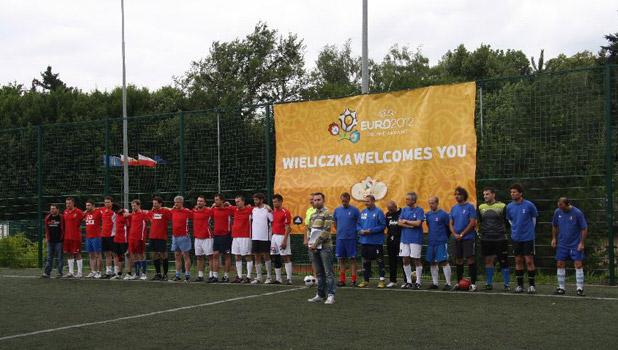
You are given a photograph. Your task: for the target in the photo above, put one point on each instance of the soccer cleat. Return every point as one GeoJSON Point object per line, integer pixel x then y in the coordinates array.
{"type": "Point", "coordinates": [472, 288]}
{"type": "Point", "coordinates": [340, 284]}
{"type": "Point", "coordinates": [381, 284]}
{"type": "Point", "coordinates": [58, 275]}
{"type": "Point", "coordinates": [560, 291]}
{"type": "Point", "coordinates": [363, 284]}
{"type": "Point", "coordinates": [506, 289]}
{"type": "Point", "coordinates": [416, 286]}
{"type": "Point", "coordinates": [447, 287]}
{"type": "Point", "coordinates": [489, 287]}
{"type": "Point", "coordinates": [580, 292]}
{"type": "Point", "coordinates": [91, 274]}
{"type": "Point", "coordinates": [187, 278]}
{"type": "Point", "coordinates": [256, 281]}
{"type": "Point", "coordinates": [406, 286]}
{"type": "Point", "coordinates": [246, 280]}
{"type": "Point", "coordinates": [330, 300]}
{"type": "Point", "coordinates": [289, 282]}
{"type": "Point", "coordinates": [455, 287]}
{"type": "Point", "coordinates": [519, 289]}
{"type": "Point", "coordinates": [44, 275]}
{"type": "Point", "coordinates": [127, 277]}
{"type": "Point", "coordinates": [97, 275]}
{"type": "Point", "coordinates": [353, 284]}
{"type": "Point", "coordinates": [315, 299]}
{"type": "Point", "coordinates": [143, 277]}
{"type": "Point", "coordinates": [225, 279]}
{"type": "Point", "coordinates": [78, 275]}
{"type": "Point", "coordinates": [115, 277]}
{"type": "Point", "coordinates": [68, 275]}
{"type": "Point", "coordinates": [433, 286]}
{"type": "Point", "coordinates": [156, 277]}
{"type": "Point", "coordinates": [531, 290]}
{"type": "Point", "coordinates": [391, 284]}
{"type": "Point", "coordinates": [277, 282]}
{"type": "Point", "coordinates": [107, 276]}
{"type": "Point", "coordinates": [164, 278]}
{"type": "Point", "coordinates": [237, 280]}
{"type": "Point", "coordinates": [268, 281]}
{"type": "Point", "coordinates": [199, 279]}
{"type": "Point", "coordinates": [176, 279]}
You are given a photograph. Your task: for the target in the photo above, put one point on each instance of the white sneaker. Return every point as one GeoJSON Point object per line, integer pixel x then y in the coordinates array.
{"type": "Point", "coordinates": [143, 277]}
{"type": "Point", "coordinates": [127, 277]}
{"type": "Point", "coordinates": [472, 288]}
{"type": "Point", "coordinates": [519, 289]}
{"type": "Point", "coordinates": [531, 290]}
{"type": "Point", "coordinates": [97, 275]}
{"type": "Point", "coordinates": [391, 284]}
{"type": "Point", "coordinates": [316, 299]}
{"type": "Point", "coordinates": [255, 281]}
{"type": "Point", "coordinates": [91, 274]}
{"type": "Point", "coordinates": [115, 277]}
{"type": "Point", "coordinates": [68, 275]}
{"type": "Point", "coordinates": [268, 281]}
{"type": "Point", "coordinates": [78, 275]}
{"type": "Point", "coordinates": [330, 299]}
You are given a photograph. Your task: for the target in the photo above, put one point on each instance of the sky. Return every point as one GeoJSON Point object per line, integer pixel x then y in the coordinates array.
{"type": "Point", "coordinates": [81, 39]}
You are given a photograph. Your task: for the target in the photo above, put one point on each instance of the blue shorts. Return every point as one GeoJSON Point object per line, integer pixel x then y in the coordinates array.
{"type": "Point", "coordinates": [94, 245]}
{"type": "Point", "coordinates": [437, 253]}
{"type": "Point", "coordinates": [181, 244]}
{"type": "Point", "coordinates": [566, 253]}
{"type": "Point", "coordinates": [345, 248]}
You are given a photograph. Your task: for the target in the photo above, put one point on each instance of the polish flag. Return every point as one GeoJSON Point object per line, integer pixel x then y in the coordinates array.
{"type": "Point", "coordinates": [145, 161]}
{"type": "Point", "coordinates": [132, 161]}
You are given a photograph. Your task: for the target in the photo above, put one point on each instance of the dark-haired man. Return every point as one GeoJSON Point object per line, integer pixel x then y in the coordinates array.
{"type": "Point", "coordinates": [463, 228]}
{"type": "Point", "coordinates": [108, 218]}
{"type": "Point", "coordinates": [54, 232]}
{"type": "Point", "coordinates": [492, 228]}
{"type": "Point", "coordinates": [159, 218]}
{"type": "Point", "coordinates": [346, 219]}
{"type": "Point", "coordinates": [569, 230]}
{"type": "Point", "coordinates": [72, 243]}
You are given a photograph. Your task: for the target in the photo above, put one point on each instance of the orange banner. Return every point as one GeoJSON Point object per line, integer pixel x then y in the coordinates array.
{"type": "Point", "coordinates": [388, 144]}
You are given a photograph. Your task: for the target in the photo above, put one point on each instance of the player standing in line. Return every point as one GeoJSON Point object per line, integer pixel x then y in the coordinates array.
{"type": "Point", "coordinates": [120, 233]}
{"type": "Point", "coordinates": [72, 243]}
{"type": "Point", "coordinates": [280, 246]}
{"type": "Point", "coordinates": [181, 242]}
{"type": "Point", "coordinates": [370, 228]}
{"type": "Point", "coordinates": [137, 241]}
{"type": "Point", "coordinates": [241, 238]}
{"type": "Point", "coordinates": [346, 219]}
{"type": "Point", "coordinates": [107, 241]}
{"type": "Point", "coordinates": [93, 221]}
{"type": "Point", "coordinates": [462, 225]}
{"type": "Point", "coordinates": [320, 244]}
{"type": "Point", "coordinates": [54, 233]}
{"type": "Point", "coordinates": [159, 218]}
{"type": "Point", "coordinates": [222, 244]}
{"type": "Point", "coordinates": [522, 215]}
{"type": "Point", "coordinates": [202, 237]}
{"type": "Point", "coordinates": [569, 231]}
{"type": "Point", "coordinates": [261, 219]}
{"type": "Point", "coordinates": [492, 228]}
{"type": "Point", "coordinates": [437, 248]}
{"type": "Point", "coordinates": [411, 222]}
{"type": "Point", "coordinates": [393, 239]}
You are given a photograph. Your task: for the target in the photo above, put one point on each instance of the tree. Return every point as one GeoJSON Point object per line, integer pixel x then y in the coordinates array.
{"type": "Point", "coordinates": [609, 52]}
{"type": "Point", "coordinates": [337, 73]}
{"type": "Point", "coordinates": [401, 69]}
{"type": "Point", "coordinates": [538, 67]}
{"type": "Point", "coordinates": [49, 81]}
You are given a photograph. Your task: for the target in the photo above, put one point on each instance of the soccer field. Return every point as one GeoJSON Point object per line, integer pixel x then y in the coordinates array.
{"type": "Point", "coordinates": [140, 315]}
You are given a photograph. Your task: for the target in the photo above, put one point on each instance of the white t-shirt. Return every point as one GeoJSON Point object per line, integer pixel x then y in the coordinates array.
{"type": "Point", "coordinates": [260, 224]}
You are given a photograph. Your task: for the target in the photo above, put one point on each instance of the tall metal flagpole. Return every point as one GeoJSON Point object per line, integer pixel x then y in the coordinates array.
{"type": "Point", "coordinates": [365, 63]}
{"type": "Point", "coordinates": [125, 141]}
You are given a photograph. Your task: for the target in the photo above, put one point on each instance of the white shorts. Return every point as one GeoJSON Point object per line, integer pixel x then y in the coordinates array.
{"type": "Point", "coordinates": [241, 246]}
{"type": "Point", "coordinates": [203, 246]}
{"type": "Point", "coordinates": [275, 246]}
{"type": "Point", "coordinates": [412, 250]}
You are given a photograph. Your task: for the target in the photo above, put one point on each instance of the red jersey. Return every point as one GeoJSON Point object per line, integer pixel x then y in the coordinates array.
{"type": "Point", "coordinates": [242, 225]}
{"type": "Point", "coordinates": [221, 216]}
{"type": "Point", "coordinates": [107, 219]}
{"type": "Point", "coordinates": [281, 218]}
{"type": "Point", "coordinates": [180, 221]}
{"type": "Point", "coordinates": [137, 225]}
{"type": "Point", "coordinates": [93, 222]}
{"type": "Point", "coordinates": [121, 229]}
{"type": "Point", "coordinates": [159, 221]}
{"type": "Point", "coordinates": [201, 223]}
{"type": "Point", "coordinates": [72, 222]}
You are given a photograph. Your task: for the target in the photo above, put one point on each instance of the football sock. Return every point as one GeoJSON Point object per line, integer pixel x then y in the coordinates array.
{"type": "Point", "coordinates": [258, 271]}
{"type": "Point", "coordinates": [80, 264]}
{"type": "Point", "coordinates": [278, 274]}
{"type": "Point", "coordinates": [166, 266]}
{"type": "Point", "coordinates": [408, 271]}
{"type": "Point", "coordinates": [288, 270]}
{"type": "Point", "coordinates": [249, 268]}
{"type": "Point", "coordinates": [116, 269]}
{"type": "Point", "coordinates": [108, 270]}
{"type": "Point", "coordinates": [342, 276]}
{"type": "Point", "coordinates": [226, 275]}
{"type": "Point", "coordinates": [506, 276]}
{"type": "Point", "coordinates": [520, 277]}
{"type": "Point", "coordinates": [353, 276]}
{"type": "Point", "coordinates": [579, 278]}
{"type": "Point", "coordinates": [71, 267]}
{"type": "Point", "coordinates": [447, 273]}
{"type": "Point", "coordinates": [531, 279]}
{"type": "Point", "coordinates": [460, 270]}
{"type": "Point", "coordinates": [239, 268]}
{"type": "Point", "coordinates": [561, 275]}
{"type": "Point", "coordinates": [157, 264]}
{"type": "Point", "coordinates": [419, 274]}
{"type": "Point", "coordinates": [268, 268]}
{"type": "Point", "coordinates": [178, 274]}
{"type": "Point", "coordinates": [210, 273]}
{"type": "Point", "coordinates": [434, 274]}
{"type": "Point", "coordinates": [144, 266]}
{"type": "Point", "coordinates": [215, 275]}
{"type": "Point", "coordinates": [489, 275]}
{"type": "Point", "coordinates": [472, 271]}
{"type": "Point", "coordinates": [200, 274]}
{"type": "Point", "coordinates": [367, 270]}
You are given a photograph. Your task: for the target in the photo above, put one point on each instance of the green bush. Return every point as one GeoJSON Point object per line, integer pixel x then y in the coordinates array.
{"type": "Point", "coordinates": [18, 251]}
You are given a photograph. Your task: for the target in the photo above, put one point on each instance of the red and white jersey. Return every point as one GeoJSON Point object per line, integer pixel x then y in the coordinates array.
{"type": "Point", "coordinates": [180, 221]}
{"type": "Point", "coordinates": [121, 228]}
{"type": "Point", "coordinates": [93, 221]}
{"type": "Point", "coordinates": [281, 218]}
{"type": "Point", "coordinates": [72, 223]}
{"type": "Point", "coordinates": [137, 225]}
{"type": "Point", "coordinates": [201, 223]}
{"type": "Point", "coordinates": [241, 228]}
{"type": "Point", "coordinates": [107, 218]}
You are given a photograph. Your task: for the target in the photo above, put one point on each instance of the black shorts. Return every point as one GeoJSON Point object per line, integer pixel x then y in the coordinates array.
{"type": "Point", "coordinates": [372, 251]}
{"type": "Point", "coordinates": [523, 248]}
{"type": "Point", "coordinates": [158, 245]}
{"type": "Point", "coordinates": [120, 248]}
{"type": "Point", "coordinates": [498, 248]}
{"type": "Point", "coordinates": [222, 244]}
{"type": "Point", "coordinates": [107, 244]}
{"type": "Point", "coordinates": [465, 248]}
{"type": "Point", "coordinates": [259, 247]}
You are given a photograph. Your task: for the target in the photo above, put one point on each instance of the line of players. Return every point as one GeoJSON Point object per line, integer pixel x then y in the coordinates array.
{"type": "Point", "coordinates": [405, 235]}
{"type": "Point", "coordinates": [242, 230]}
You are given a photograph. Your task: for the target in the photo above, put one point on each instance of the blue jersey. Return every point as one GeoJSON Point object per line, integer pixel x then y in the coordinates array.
{"type": "Point", "coordinates": [346, 220]}
{"type": "Point", "coordinates": [461, 214]}
{"type": "Point", "coordinates": [437, 222]}
{"type": "Point", "coordinates": [412, 234]}
{"type": "Point", "coordinates": [570, 224]}
{"type": "Point", "coordinates": [521, 216]}
{"type": "Point", "coordinates": [375, 221]}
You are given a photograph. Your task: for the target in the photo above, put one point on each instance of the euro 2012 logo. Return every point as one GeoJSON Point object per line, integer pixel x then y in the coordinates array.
{"type": "Point", "coordinates": [345, 128]}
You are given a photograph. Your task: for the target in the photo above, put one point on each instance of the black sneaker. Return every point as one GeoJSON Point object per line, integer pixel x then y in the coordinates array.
{"type": "Point", "coordinates": [164, 278]}
{"type": "Point", "coordinates": [447, 287]}
{"type": "Point", "coordinates": [580, 293]}
{"type": "Point", "coordinates": [176, 279]}
{"type": "Point", "coordinates": [44, 275]}
{"type": "Point", "coordinates": [489, 287]}
{"type": "Point", "coordinates": [406, 286]}
{"type": "Point", "coordinates": [276, 282]}
{"type": "Point", "coordinates": [455, 287]}
{"type": "Point", "coordinates": [340, 284]}
{"type": "Point", "coordinates": [559, 291]}
{"type": "Point", "coordinates": [416, 286]}
{"type": "Point", "coordinates": [156, 277]}
{"type": "Point", "coordinates": [246, 280]}
{"type": "Point", "coordinates": [199, 279]}
{"type": "Point", "coordinates": [187, 278]}
{"type": "Point", "coordinates": [289, 282]}
{"type": "Point", "coordinates": [506, 289]}
{"type": "Point", "coordinates": [213, 280]}
{"type": "Point", "coordinates": [353, 284]}
{"type": "Point", "coordinates": [433, 286]}
{"type": "Point", "coordinates": [225, 279]}
{"type": "Point", "coordinates": [237, 280]}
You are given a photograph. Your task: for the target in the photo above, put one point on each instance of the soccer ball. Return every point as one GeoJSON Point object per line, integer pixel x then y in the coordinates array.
{"type": "Point", "coordinates": [413, 276]}
{"type": "Point", "coordinates": [309, 281]}
{"type": "Point", "coordinates": [464, 284]}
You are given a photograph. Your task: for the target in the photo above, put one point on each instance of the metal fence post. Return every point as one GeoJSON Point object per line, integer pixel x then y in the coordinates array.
{"type": "Point", "coordinates": [181, 152]}
{"type": "Point", "coordinates": [106, 175]}
{"type": "Point", "coordinates": [268, 139]}
{"type": "Point", "coordinates": [39, 190]}
{"type": "Point", "coordinates": [609, 173]}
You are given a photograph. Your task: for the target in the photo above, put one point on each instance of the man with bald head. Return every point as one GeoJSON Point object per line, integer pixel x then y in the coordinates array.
{"type": "Point", "coordinates": [393, 238]}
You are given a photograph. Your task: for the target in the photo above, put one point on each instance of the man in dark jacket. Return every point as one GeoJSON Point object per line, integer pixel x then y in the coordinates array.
{"type": "Point", "coordinates": [54, 234]}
